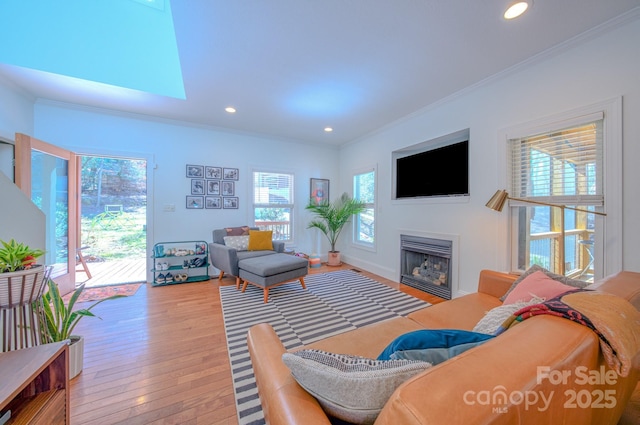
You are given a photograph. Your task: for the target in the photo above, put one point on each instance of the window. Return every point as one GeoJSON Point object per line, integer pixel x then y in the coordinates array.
{"type": "Point", "coordinates": [273, 203]}
{"type": "Point", "coordinates": [364, 189]}
{"type": "Point", "coordinates": [566, 167]}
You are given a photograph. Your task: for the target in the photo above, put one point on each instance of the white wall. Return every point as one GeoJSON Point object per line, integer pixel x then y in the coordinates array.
{"type": "Point", "coordinates": [604, 67]}
{"type": "Point", "coordinates": [16, 111]}
{"type": "Point", "coordinates": [170, 146]}
{"type": "Point", "coordinates": [16, 116]}
{"type": "Point", "coordinates": [19, 218]}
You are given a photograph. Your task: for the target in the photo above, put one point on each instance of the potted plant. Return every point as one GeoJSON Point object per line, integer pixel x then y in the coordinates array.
{"type": "Point", "coordinates": [16, 256]}
{"type": "Point", "coordinates": [331, 218]}
{"type": "Point", "coordinates": [59, 321]}
{"type": "Point", "coordinates": [21, 279]}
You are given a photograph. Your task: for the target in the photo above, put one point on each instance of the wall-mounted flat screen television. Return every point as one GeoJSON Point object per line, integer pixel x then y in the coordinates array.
{"type": "Point", "coordinates": [437, 172]}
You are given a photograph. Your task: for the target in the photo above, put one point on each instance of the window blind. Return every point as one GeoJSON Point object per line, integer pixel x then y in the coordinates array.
{"type": "Point", "coordinates": [563, 166]}
{"type": "Point", "coordinates": [272, 188]}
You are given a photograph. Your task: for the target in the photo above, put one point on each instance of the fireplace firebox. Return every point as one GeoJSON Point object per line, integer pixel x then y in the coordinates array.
{"type": "Point", "coordinates": [425, 264]}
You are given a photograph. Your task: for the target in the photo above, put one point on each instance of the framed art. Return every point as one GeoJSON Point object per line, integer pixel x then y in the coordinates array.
{"type": "Point", "coordinates": [213, 202]}
{"type": "Point", "coordinates": [195, 202]}
{"type": "Point", "coordinates": [319, 190]}
{"type": "Point", "coordinates": [213, 187]}
{"type": "Point", "coordinates": [230, 174]}
{"type": "Point", "coordinates": [213, 172]}
{"type": "Point", "coordinates": [228, 188]}
{"type": "Point", "coordinates": [230, 202]}
{"type": "Point", "coordinates": [195, 171]}
{"type": "Point", "coordinates": [197, 186]}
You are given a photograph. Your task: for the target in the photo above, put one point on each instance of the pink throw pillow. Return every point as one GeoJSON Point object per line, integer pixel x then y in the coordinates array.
{"type": "Point", "coordinates": [537, 285]}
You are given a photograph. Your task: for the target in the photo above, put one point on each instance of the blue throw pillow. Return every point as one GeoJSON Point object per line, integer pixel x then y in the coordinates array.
{"type": "Point", "coordinates": [434, 355]}
{"type": "Point", "coordinates": [433, 338]}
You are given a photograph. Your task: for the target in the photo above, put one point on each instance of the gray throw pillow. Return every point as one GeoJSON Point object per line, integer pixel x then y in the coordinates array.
{"type": "Point", "coordinates": [536, 268]}
{"type": "Point", "coordinates": [351, 388]}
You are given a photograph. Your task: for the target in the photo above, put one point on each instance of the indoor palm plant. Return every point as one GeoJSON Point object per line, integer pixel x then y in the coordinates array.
{"type": "Point", "coordinates": [331, 218]}
{"type": "Point", "coordinates": [59, 321]}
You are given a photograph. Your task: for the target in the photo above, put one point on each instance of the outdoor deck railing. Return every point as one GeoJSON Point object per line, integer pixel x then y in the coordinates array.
{"type": "Point", "coordinates": [577, 258]}
{"type": "Point", "coordinates": [281, 229]}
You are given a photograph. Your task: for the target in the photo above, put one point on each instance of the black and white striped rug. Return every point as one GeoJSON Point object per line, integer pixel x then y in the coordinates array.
{"type": "Point", "coordinates": [333, 303]}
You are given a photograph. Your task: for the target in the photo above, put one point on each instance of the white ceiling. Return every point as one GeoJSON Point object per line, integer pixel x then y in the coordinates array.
{"type": "Point", "coordinates": [293, 67]}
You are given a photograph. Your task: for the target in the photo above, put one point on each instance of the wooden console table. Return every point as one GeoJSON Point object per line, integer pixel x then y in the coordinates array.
{"type": "Point", "coordinates": [35, 385]}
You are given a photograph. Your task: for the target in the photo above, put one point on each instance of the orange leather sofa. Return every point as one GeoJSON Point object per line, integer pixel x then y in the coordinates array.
{"type": "Point", "coordinates": [455, 392]}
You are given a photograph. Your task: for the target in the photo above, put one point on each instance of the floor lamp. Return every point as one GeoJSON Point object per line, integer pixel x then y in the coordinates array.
{"type": "Point", "coordinates": [498, 200]}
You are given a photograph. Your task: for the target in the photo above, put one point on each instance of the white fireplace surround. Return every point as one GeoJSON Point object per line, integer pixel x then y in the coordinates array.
{"type": "Point", "coordinates": [455, 241]}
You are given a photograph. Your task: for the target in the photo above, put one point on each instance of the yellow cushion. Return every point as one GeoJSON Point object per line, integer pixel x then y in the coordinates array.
{"type": "Point", "coordinates": [260, 240]}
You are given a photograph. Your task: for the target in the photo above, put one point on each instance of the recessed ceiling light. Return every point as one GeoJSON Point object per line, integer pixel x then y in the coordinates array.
{"type": "Point", "coordinates": [230, 109]}
{"type": "Point", "coordinates": [516, 9]}
{"type": "Point", "coordinates": [328, 129]}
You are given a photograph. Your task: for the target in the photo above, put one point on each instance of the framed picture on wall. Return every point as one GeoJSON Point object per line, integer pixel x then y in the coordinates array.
{"type": "Point", "coordinates": [213, 172]}
{"type": "Point", "coordinates": [212, 202]}
{"type": "Point", "coordinates": [213, 187]}
{"type": "Point", "coordinates": [319, 190]}
{"type": "Point", "coordinates": [197, 186]}
{"type": "Point", "coordinates": [195, 171]}
{"type": "Point", "coordinates": [195, 202]}
{"type": "Point", "coordinates": [230, 174]}
{"type": "Point", "coordinates": [230, 202]}
{"type": "Point", "coordinates": [228, 188]}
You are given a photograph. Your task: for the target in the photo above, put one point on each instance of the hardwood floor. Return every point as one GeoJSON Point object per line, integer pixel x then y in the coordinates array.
{"type": "Point", "coordinates": [160, 357]}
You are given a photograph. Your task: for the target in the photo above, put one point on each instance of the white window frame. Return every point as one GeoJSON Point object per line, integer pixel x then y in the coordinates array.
{"type": "Point", "coordinates": [609, 228]}
{"type": "Point", "coordinates": [374, 206]}
{"type": "Point", "coordinates": [290, 206]}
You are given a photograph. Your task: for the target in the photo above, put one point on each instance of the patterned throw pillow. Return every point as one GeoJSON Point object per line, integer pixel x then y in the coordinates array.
{"type": "Point", "coordinates": [536, 268]}
{"type": "Point", "coordinates": [351, 388]}
{"type": "Point", "coordinates": [239, 243]}
{"type": "Point", "coordinates": [237, 231]}
{"type": "Point", "coordinates": [496, 316]}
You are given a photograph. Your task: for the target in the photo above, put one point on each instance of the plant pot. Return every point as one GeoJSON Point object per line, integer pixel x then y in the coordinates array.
{"type": "Point", "coordinates": [22, 287]}
{"type": "Point", "coordinates": [20, 324]}
{"type": "Point", "coordinates": [334, 258]}
{"type": "Point", "coordinates": [76, 356]}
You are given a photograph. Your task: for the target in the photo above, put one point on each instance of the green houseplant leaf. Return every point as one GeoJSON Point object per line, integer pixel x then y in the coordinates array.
{"type": "Point", "coordinates": [16, 256]}
{"type": "Point", "coordinates": [331, 217]}
{"type": "Point", "coordinates": [60, 319]}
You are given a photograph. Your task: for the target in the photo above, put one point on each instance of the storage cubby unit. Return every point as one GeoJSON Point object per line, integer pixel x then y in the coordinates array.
{"type": "Point", "coordinates": [34, 387]}
{"type": "Point", "coordinates": [180, 262]}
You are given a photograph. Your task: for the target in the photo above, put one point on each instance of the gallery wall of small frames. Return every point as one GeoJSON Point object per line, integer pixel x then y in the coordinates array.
{"type": "Point", "coordinates": [212, 187]}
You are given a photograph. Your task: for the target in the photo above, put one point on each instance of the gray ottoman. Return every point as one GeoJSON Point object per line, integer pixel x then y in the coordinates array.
{"type": "Point", "coordinates": [268, 271]}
